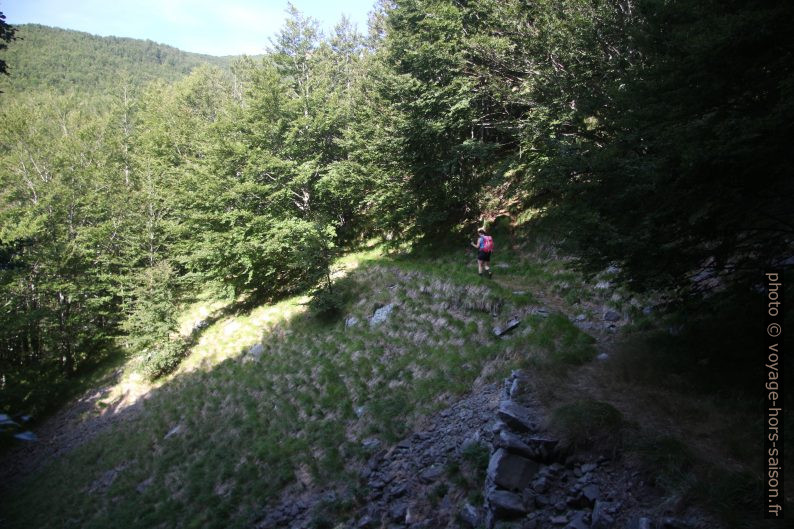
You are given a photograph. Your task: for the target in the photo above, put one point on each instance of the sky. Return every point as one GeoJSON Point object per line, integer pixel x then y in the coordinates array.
{"type": "Point", "coordinates": [214, 27]}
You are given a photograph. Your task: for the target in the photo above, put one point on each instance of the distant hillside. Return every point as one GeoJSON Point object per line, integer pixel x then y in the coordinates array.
{"type": "Point", "coordinates": [62, 60]}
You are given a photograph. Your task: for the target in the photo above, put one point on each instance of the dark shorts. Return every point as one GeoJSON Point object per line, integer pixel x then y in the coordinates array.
{"type": "Point", "coordinates": [483, 256]}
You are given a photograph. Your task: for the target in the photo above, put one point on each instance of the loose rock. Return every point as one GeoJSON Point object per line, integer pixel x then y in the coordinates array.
{"type": "Point", "coordinates": [381, 314]}
{"type": "Point", "coordinates": [516, 416]}
{"type": "Point", "coordinates": [506, 504]}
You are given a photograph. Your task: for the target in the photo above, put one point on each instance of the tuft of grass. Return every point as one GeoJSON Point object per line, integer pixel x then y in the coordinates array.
{"type": "Point", "coordinates": [669, 461]}
{"type": "Point", "coordinates": [589, 423]}
{"type": "Point", "coordinates": [564, 343]}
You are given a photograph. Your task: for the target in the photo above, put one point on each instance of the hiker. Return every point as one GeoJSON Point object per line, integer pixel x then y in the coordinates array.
{"type": "Point", "coordinates": [484, 247]}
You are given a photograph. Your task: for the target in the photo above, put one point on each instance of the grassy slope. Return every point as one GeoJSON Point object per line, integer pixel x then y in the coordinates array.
{"type": "Point", "coordinates": [248, 428]}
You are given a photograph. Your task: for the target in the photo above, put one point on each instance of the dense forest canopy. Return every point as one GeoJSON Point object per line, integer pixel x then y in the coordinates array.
{"type": "Point", "coordinates": [651, 132]}
{"type": "Point", "coordinates": [60, 60]}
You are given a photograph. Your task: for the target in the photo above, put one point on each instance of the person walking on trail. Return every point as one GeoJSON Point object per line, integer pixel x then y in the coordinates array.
{"type": "Point", "coordinates": [484, 247]}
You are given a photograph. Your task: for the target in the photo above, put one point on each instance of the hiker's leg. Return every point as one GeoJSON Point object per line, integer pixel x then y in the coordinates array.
{"type": "Point", "coordinates": [479, 267]}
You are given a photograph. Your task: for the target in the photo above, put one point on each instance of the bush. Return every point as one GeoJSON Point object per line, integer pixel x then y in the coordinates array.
{"type": "Point", "coordinates": [327, 303]}
{"type": "Point", "coordinates": [164, 359]}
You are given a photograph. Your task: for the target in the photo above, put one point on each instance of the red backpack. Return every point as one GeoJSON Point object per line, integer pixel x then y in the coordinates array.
{"type": "Point", "coordinates": [487, 243]}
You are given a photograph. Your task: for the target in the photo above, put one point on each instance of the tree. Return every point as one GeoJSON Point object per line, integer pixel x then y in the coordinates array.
{"type": "Point", "coordinates": [7, 33]}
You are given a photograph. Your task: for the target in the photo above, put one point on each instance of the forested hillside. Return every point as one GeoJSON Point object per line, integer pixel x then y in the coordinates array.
{"type": "Point", "coordinates": [59, 60]}
{"type": "Point", "coordinates": [642, 137]}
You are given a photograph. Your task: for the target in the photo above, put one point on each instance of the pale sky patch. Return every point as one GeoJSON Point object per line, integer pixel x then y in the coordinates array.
{"type": "Point", "coordinates": [213, 27]}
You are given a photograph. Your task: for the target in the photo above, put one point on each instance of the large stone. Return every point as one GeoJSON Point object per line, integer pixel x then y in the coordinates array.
{"type": "Point", "coordinates": [511, 471]}
{"type": "Point", "coordinates": [516, 416]}
{"type": "Point", "coordinates": [397, 511]}
{"type": "Point", "coordinates": [513, 443]}
{"type": "Point", "coordinates": [351, 321]}
{"type": "Point", "coordinates": [591, 493]}
{"type": "Point", "coordinates": [431, 474]}
{"type": "Point", "coordinates": [501, 330]}
{"type": "Point", "coordinates": [612, 315]}
{"type": "Point", "coordinates": [256, 351]}
{"type": "Point", "coordinates": [26, 436]}
{"type": "Point", "coordinates": [543, 448]}
{"type": "Point", "coordinates": [470, 515]}
{"type": "Point", "coordinates": [578, 521]}
{"type": "Point", "coordinates": [601, 517]}
{"type": "Point", "coordinates": [506, 504]}
{"type": "Point", "coordinates": [381, 314]}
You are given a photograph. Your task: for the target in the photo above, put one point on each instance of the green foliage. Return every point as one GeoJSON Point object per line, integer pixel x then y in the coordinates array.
{"type": "Point", "coordinates": [327, 303]}
{"type": "Point", "coordinates": [162, 358]}
{"type": "Point", "coordinates": [7, 33]}
{"type": "Point", "coordinates": [151, 312]}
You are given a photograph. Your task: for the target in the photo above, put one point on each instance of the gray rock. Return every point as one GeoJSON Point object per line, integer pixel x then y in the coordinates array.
{"type": "Point", "coordinates": [498, 426]}
{"type": "Point", "coordinates": [431, 474]}
{"type": "Point", "coordinates": [513, 443]}
{"type": "Point", "coordinates": [640, 523]}
{"type": "Point", "coordinates": [511, 471]}
{"type": "Point", "coordinates": [603, 285]}
{"type": "Point", "coordinates": [381, 314]}
{"type": "Point", "coordinates": [506, 504]}
{"type": "Point", "coordinates": [675, 523]}
{"type": "Point", "coordinates": [612, 315]}
{"type": "Point", "coordinates": [175, 430]}
{"type": "Point", "coordinates": [412, 518]}
{"type": "Point", "coordinates": [647, 310]}
{"type": "Point", "coordinates": [581, 317]}
{"type": "Point", "coordinates": [366, 522]}
{"type": "Point", "coordinates": [559, 520]}
{"type": "Point", "coordinates": [601, 518]}
{"type": "Point", "coordinates": [540, 485]}
{"type": "Point", "coordinates": [588, 467]}
{"type": "Point", "coordinates": [470, 515]}
{"type": "Point", "coordinates": [256, 351]}
{"type": "Point", "coordinates": [26, 436]}
{"type": "Point", "coordinates": [351, 321]}
{"type": "Point", "coordinates": [591, 493]}
{"type": "Point", "coordinates": [397, 490]}
{"type": "Point", "coordinates": [578, 521]}
{"type": "Point", "coordinates": [541, 500]}
{"type": "Point", "coordinates": [145, 484]}
{"type": "Point", "coordinates": [8, 424]}
{"type": "Point", "coordinates": [371, 443]}
{"type": "Point", "coordinates": [516, 416]}
{"type": "Point", "coordinates": [507, 327]}
{"type": "Point", "coordinates": [515, 388]}
{"type": "Point", "coordinates": [602, 357]}
{"type": "Point", "coordinates": [397, 511]}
